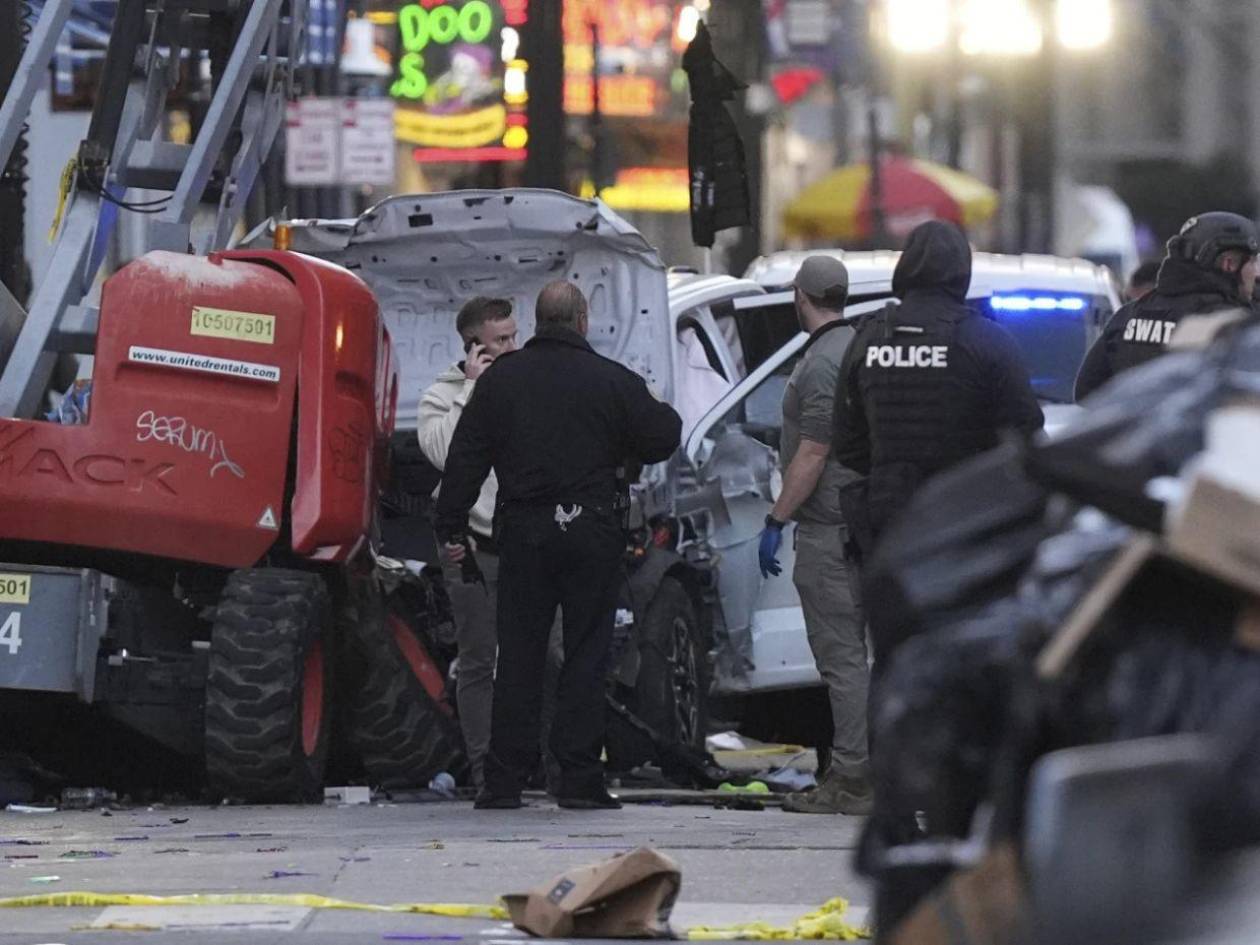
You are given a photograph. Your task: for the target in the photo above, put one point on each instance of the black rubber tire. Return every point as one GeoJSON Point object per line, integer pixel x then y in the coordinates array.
{"type": "Point", "coordinates": [673, 683]}
{"type": "Point", "coordinates": [402, 736]}
{"type": "Point", "coordinates": [267, 622]}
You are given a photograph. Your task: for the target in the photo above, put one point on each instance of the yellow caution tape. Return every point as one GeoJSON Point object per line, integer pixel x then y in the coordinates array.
{"type": "Point", "coordinates": [100, 900]}
{"type": "Point", "coordinates": [63, 192]}
{"type": "Point", "coordinates": [825, 923]}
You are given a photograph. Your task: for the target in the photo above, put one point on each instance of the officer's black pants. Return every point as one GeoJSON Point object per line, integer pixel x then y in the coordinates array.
{"type": "Point", "coordinates": [543, 565]}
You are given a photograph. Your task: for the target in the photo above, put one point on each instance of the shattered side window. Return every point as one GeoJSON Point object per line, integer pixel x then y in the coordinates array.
{"type": "Point", "coordinates": [724, 316]}
{"type": "Point", "coordinates": [760, 413]}
{"type": "Point", "coordinates": [764, 330]}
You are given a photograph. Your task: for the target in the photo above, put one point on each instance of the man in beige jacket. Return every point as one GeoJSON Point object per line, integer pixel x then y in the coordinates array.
{"type": "Point", "coordinates": [487, 328]}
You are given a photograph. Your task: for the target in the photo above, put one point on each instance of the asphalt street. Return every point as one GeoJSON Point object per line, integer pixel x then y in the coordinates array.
{"type": "Point", "coordinates": [737, 866]}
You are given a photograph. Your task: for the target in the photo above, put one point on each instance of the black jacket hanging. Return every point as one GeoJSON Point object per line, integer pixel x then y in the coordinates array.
{"type": "Point", "coordinates": [715, 155]}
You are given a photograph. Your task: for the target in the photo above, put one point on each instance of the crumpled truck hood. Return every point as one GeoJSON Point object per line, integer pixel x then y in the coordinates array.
{"type": "Point", "coordinates": [425, 255]}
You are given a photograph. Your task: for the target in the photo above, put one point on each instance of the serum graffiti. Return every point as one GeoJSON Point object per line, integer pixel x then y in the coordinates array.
{"type": "Point", "coordinates": [178, 432]}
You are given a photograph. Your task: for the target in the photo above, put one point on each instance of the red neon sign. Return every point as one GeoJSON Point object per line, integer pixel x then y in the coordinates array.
{"type": "Point", "coordinates": [638, 23]}
{"type": "Point", "coordinates": [629, 96]}
{"type": "Point", "coordinates": [515, 12]}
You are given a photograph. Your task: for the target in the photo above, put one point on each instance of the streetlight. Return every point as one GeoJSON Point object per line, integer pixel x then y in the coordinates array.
{"type": "Point", "coordinates": [1084, 25]}
{"type": "Point", "coordinates": [995, 27]}
{"type": "Point", "coordinates": [918, 26]}
{"type": "Point", "coordinates": [1033, 31]}
{"type": "Point", "coordinates": [998, 28]}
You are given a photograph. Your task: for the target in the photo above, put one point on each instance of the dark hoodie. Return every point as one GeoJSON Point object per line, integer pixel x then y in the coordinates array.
{"type": "Point", "coordinates": [937, 260]}
{"type": "Point", "coordinates": [1141, 330]}
{"type": "Point", "coordinates": [928, 383]}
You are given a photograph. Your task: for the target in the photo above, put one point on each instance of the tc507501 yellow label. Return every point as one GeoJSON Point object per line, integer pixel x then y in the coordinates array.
{"type": "Point", "coordinates": [239, 326]}
{"type": "Point", "coordinates": [15, 588]}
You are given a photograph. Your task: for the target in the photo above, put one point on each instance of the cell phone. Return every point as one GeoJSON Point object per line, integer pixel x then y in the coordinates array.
{"type": "Point", "coordinates": [468, 345]}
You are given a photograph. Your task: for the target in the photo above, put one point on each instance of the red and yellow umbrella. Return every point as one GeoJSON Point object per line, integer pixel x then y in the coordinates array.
{"type": "Point", "coordinates": [839, 207]}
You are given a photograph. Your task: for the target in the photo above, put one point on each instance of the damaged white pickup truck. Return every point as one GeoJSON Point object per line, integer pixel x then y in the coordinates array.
{"type": "Point", "coordinates": [703, 622]}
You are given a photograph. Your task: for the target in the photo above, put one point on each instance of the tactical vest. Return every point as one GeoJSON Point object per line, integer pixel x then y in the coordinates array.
{"type": "Point", "coordinates": [922, 404]}
{"type": "Point", "coordinates": [1149, 325]}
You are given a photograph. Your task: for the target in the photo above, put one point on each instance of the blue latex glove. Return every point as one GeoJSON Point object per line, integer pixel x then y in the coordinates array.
{"type": "Point", "coordinates": [768, 551]}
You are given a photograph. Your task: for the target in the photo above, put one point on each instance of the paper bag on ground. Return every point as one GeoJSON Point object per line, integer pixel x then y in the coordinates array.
{"type": "Point", "coordinates": [629, 896]}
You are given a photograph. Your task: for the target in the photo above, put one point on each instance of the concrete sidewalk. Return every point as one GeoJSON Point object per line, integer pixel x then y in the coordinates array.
{"type": "Point", "coordinates": [737, 866]}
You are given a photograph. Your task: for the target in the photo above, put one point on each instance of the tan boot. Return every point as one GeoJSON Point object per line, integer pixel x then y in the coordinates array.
{"type": "Point", "coordinates": [837, 794]}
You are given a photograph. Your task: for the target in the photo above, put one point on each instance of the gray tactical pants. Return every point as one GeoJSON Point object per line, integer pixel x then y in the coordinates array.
{"type": "Point", "coordinates": [837, 636]}
{"type": "Point", "coordinates": [478, 640]}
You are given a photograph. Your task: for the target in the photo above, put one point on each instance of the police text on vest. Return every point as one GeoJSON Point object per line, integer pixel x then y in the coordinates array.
{"type": "Point", "coordinates": [1149, 331]}
{"type": "Point", "coordinates": [915, 356]}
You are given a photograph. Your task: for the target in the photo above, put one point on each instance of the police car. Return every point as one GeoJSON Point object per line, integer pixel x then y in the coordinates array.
{"type": "Point", "coordinates": [1055, 308]}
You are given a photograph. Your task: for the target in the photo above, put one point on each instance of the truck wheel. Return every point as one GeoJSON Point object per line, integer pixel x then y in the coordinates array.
{"type": "Point", "coordinates": [673, 682]}
{"type": "Point", "coordinates": [401, 724]}
{"type": "Point", "coordinates": [268, 692]}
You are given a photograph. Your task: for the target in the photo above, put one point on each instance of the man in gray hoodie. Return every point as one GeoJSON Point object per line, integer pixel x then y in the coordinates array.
{"type": "Point", "coordinates": [488, 329]}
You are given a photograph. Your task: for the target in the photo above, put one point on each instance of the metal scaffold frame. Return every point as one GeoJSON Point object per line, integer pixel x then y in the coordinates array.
{"type": "Point", "coordinates": [125, 149]}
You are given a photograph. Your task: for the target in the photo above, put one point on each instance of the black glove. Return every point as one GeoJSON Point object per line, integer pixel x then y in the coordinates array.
{"type": "Point", "coordinates": [469, 570]}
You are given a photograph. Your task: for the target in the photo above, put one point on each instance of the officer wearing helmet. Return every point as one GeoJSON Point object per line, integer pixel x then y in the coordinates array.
{"type": "Point", "coordinates": [1211, 265]}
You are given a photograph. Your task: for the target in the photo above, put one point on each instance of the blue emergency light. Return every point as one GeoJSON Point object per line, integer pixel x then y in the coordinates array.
{"type": "Point", "coordinates": [1038, 303]}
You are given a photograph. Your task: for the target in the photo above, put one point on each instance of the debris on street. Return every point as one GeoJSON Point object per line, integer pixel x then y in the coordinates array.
{"type": "Point", "coordinates": [828, 922]}
{"type": "Point", "coordinates": [86, 798]}
{"type": "Point", "coordinates": [74, 900]}
{"type": "Point", "coordinates": [628, 896]}
{"type": "Point", "coordinates": [347, 795]}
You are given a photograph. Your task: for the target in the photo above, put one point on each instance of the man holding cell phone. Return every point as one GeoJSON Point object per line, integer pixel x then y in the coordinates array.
{"type": "Point", "coordinates": [488, 329]}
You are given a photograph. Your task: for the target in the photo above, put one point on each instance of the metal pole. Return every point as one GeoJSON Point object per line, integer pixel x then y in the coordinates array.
{"type": "Point", "coordinates": [125, 38]}
{"type": "Point", "coordinates": [12, 172]}
{"type": "Point", "coordinates": [30, 73]}
{"type": "Point", "coordinates": [597, 118]}
{"type": "Point", "coordinates": [738, 29]}
{"type": "Point", "coordinates": [879, 229]}
{"type": "Point", "coordinates": [1036, 143]}
{"type": "Point", "coordinates": [544, 50]}
{"type": "Point", "coordinates": [233, 85]}
{"type": "Point", "coordinates": [953, 92]}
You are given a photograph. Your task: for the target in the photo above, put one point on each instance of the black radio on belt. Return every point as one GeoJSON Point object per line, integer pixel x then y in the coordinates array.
{"type": "Point", "coordinates": [621, 496]}
{"type": "Point", "coordinates": [469, 570]}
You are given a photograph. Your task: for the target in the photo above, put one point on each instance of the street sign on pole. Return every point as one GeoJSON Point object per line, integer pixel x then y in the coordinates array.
{"type": "Point", "coordinates": [367, 141]}
{"type": "Point", "coordinates": [312, 135]}
{"type": "Point", "coordinates": [808, 22]}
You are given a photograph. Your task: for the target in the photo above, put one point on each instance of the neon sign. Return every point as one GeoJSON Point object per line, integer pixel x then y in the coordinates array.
{"type": "Point", "coordinates": [471, 23]}
{"type": "Point", "coordinates": [457, 93]}
{"type": "Point", "coordinates": [619, 95]}
{"type": "Point", "coordinates": [638, 36]}
{"type": "Point", "coordinates": [441, 25]}
{"type": "Point", "coordinates": [653, 189]}
{"type": "Point", "coordinates": [638, 24]}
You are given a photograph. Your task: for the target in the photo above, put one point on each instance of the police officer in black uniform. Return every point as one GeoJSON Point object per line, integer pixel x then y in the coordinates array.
{"type": "Point", "coordinates": [1211, 265]}
{"type": "Point", "coordinates": [555, 421]}
{"type": "Point", "coordinates": [925, 384]}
